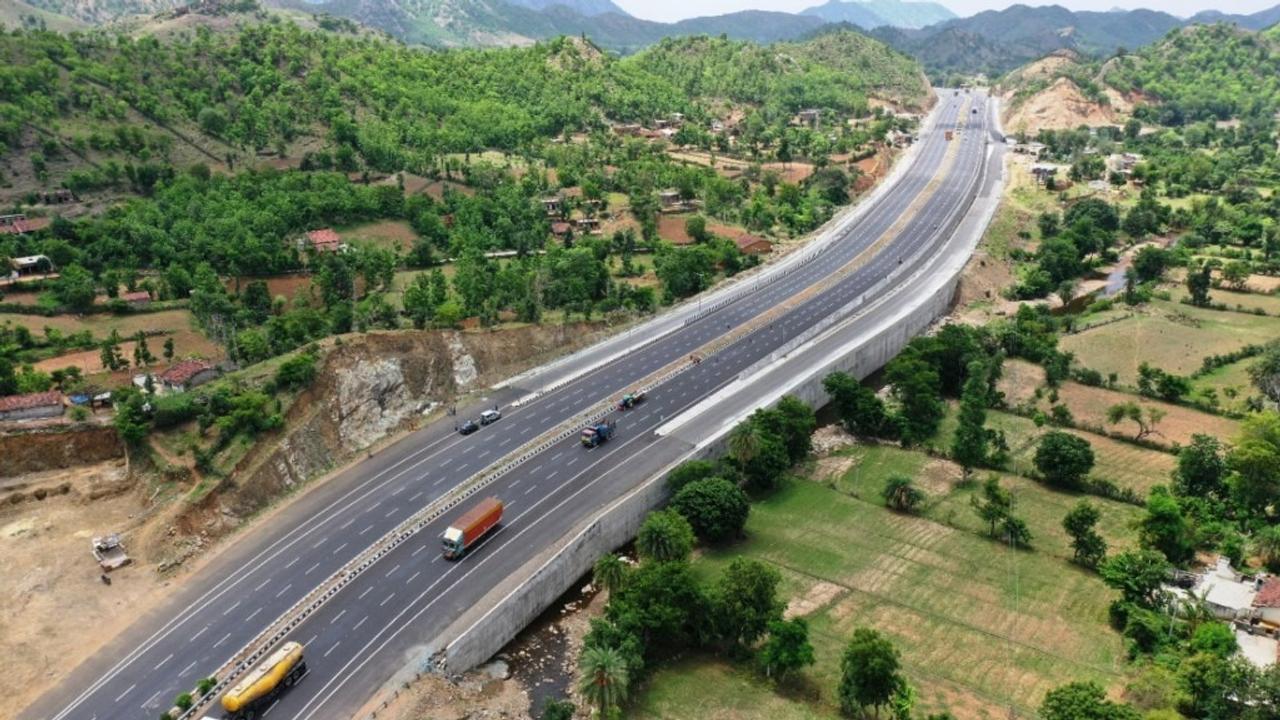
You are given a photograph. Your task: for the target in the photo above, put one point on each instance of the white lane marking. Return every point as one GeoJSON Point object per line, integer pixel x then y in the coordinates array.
{"type": "Point", "coordinates": [435, 558]}
{"type": "Point", "coordinates": [335, 647]}
{"type": "Point", "coordinates": [392, 570]}
{"type": "Point", "coordinates": [126, 692]}
{"type": "Point", "coordinates": [437, 482]}
{"type": "Point", "coordinates": [387, 600]}
{"type": "Point", "coordinates": [357, 625]}
{"type": "Point", "coordinates": [366, 592]}
{"type": "Point", "coordinates": [515, 484]}
{"type": "Point", "coordinates": [187, 669]}
{"type": "Point", "coordinates": [319, 542]}
{"type": "Point", "coordinates": [200, 632]}
{"type": "Point", "coordinates": [311, 569]}
{"type": "Point", "coordinates": [485, 454]}
{"type": "Point", "coordinates": [412, 577]}
{"type": "Point", "coordinates": [309, 641]}
{"type": "Point", "coordinates": [284, 589]}
{"type": "Point", "coordinates": [224, 639]}
{"type": "Point", "coordinates": [347, 524]}
{"type": "Point", "coordinates": [420, 549]}
{"type": "Point", "coordinates": [151, 699]}
{"type": "Point", "coordinates": [445, 462]}
{"type": "Point", "coordinates": [230, 609]}
{"type": "Point", "coordinates": [338, 549]}
{"type": "Point", "coordinates": [557, 456]}
{"type": "Point", "coordinates": [373, 507]}
{"type": "Point", "coordinates": [162, 662]}
{"type": "Point", "coordinates": [338, 617]}
{"type": "Point", "coordinates": [390, 512]}
{"type": "Point", "coordinates": [531, 489]}
{"type": "Point", "coordinates": [293, 562]}
{"type": "Point", "coordinates": [262, 585]}
{"type": "Point", "coordinates": [397, 491]}
{"type": "Point", "coordinates": [365, 530]}
{"type": "Point", "coordinates": [273, 705]}
{"type": "Point", "coordinates": [253, 614]}
{"type": "Point", "coordinates": [416, 496]}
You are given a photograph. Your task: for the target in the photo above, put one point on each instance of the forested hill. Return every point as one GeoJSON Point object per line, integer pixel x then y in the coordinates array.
{"type": "Point", "coordinates": [96, 112]}
{"type": "Point", "coordinates": [1210, 72]}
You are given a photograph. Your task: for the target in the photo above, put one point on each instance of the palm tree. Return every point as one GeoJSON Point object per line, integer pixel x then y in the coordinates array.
{"type": "Point", "coordinates": [609, 572]}
{"type": "Point", "coordinates": [744, 444]}
{"type": "Point", "coordinates": [602, 678]}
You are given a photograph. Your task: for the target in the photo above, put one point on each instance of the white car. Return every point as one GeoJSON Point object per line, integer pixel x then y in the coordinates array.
{"type": "Point", "coordinates": [489, 416]}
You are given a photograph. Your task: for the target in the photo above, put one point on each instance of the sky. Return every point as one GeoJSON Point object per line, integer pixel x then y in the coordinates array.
{"type": "Point", "coordinates": [670, 10]}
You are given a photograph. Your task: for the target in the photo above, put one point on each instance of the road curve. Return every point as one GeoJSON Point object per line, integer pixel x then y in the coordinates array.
{"type": "Point", "coordinates": [394, 611]}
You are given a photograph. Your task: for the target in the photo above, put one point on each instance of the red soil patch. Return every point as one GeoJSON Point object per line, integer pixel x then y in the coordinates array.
{"type": "Point", "coordinates": [792, 172]}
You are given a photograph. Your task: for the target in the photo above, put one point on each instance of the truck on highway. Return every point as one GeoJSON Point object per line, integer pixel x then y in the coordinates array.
{"type": "Point", "coordinates": [630, 400]}
{"type": "Point", "coordinates": [259, 689]}
{"type": "Point", "coordinates": [463, 533]}
{"type": "Point", "coordinates": [594, 435]}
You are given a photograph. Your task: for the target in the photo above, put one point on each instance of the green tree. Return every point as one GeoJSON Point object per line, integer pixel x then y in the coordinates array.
{"type": "Point", "coordinates": [696, 227]}
{"type": "Point", "coordinates": [860, 411]}
{"type": "Point", "coordinates": [758, 454]}
{"type": "Point", "coordinates": [1083, 701]}
{"type": "Point", "coordinates": [557, 710]}
{"type": "Point", "coordinates": [609, 572]}
{"type": "Point", "coordinates": [1063, 459]}
{"type": "Point", "coordinates": [168, 349]}
{"type": "Point", "coordinates": [1137, 574]}
{"type": "Point", "coordinates": [141, 353]}
{"type": "Point", "coordinates": [969, 447]}
{"type": "Point", "coordinates": [131, 420]}
{"type": "Point", "coordinates": [994, 506]}
{"type": "Point", "coordinates": [1199, 281]}
{"type": "Point", "coordinates": [716, 508]}
{"type": "Point", "coordinates": [1087, 545]}
{"type": "Point", "coordinates": [787, 650]}
{"type": "Point", "coordinates": [744, 602]}
{"type": "Point", "coordinates": [419, 301]}
{"type": "Point", "coordinates": [1164, 528]}
{"type": "Point", "coordinates": [901, 494]}
{"type": "Point", "coordinates": [1265, 372]}
{"type": "Point", "coordinates": [665, 536]}
{"type": "Point", "coordinates": [75, 289]}
{"type": "Point", "coordinates": [603, 679]}
{"type": "Point", "coordinates": [1146, 418]}
{"type": "Point", "coordinates": [917, 390]}
{"type": "Point", "coordinates": [689, 471]}
{"type": "Point", "coordinates": [870, 673]}
{"type": "Point", "coordinates": [1255, 462]}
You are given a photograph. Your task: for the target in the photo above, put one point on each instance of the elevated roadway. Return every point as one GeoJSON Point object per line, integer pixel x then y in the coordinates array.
{"type": "Point", "coordinates": [395, 612]}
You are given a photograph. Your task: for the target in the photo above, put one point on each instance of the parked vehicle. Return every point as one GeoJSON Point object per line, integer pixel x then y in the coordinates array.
{"type": "Point", "coordinates": [630, 400]}
{"type": "Point", "coordinates": [257, 690]}
{"type": "Point", "coordinates": [594, 435]}
{"type": "Point", "coordinates": [489, 417]}
{"type": "Point", "coordinates": [467, 427]}
{"type": "Point", "coordinates": [463, 533]}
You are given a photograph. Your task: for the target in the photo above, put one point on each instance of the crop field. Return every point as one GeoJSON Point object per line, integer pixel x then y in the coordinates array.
{"type": "Point", "coordinates": [1173, 336]}
{"type": "Point", "coordinates": [387, 234]}
{"type": "Point", "coordinates": [1237, 301]}
{"type": "Point", "coordinates": [981, 628]}
{"type": "Point", "coordinates": [179, 324]}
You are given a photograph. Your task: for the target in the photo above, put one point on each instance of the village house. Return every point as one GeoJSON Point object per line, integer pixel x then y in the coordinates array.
{"type": "Point", "coordinates": [1034, 149]}
{"type": "Point", "coordinates": [670, 199]}
{"type": "Point", "coordinates": [1044, 173]}
{"type": "Point", "coordinates": [627, 130]}
{"type": "Point", "coordinates": [138, 299]}
{"type": "Point", "coordinates": [324, 240]}
{"type": "Point", "coordinates": [1250, 605]}
{"type": "Point", "coordinates": [587, 225]}
{"type": "Point", "coordinates": [57, 197]}
{"type": "Point", "coordinates": [561, 229]}
{"type": "Point", "coordinates": [32, 406]}
{"type": "Point", "coordinates": [753, 245]}
{"type": "Point", "coordinates": [20, 224]}
{"type": "Point", "coordinates": [553, 206]}
{"type": "Point", "coordinates": [809, 117]}
{"type": "Point", "coordinates": [186, 375]}
{"type": "Point", "coordinates": [1123, 163]}
{"type": "Point", "coordinates": [31, 265]}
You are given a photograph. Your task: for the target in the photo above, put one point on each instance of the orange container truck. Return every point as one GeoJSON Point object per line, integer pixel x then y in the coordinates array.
{"type": "Point", "coordinates": [464, 532]}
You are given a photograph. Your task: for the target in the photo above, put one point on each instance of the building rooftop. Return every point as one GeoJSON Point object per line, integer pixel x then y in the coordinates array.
{"type": "Point", "coordinates": [30, 400]}
{"type": "Point", "coordinates": [180, 373]}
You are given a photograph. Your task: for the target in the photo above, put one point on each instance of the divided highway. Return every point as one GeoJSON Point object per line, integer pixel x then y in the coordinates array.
{"type": "Point", "coordinates": [394, 612]}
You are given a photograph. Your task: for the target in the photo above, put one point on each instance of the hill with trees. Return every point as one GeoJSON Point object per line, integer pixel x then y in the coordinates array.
{"type": "Point", "coordinates": [870, 14]}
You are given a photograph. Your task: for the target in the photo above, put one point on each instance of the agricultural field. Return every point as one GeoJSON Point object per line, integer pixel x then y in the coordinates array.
{"type": "Point", "coordinates": [1230, 383]}
{"type": "Point", "coordinates": [1236, 301]}
{"type": "Point", "coordinates": [178, 324]}
{"type": "Point", "coordinates": [981, 628]}
{"type": "Point", "coordinates": [384, 234]}
{"type": "Point", "coordinates": [1174, 335]}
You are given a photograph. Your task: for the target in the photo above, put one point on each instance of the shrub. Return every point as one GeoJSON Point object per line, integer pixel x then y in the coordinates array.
{"type": "Point", "coordinates": [296, 372]}
{"type": "Point", "coordinates": [172, 410]}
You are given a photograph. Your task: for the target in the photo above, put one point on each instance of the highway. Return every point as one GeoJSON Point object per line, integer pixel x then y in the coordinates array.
{"type": "Point", "coordinates": [394, 612]}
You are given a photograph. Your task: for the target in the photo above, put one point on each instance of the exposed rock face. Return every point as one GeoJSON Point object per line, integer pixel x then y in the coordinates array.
{"type": "Point", "coordinates": [372, 399]}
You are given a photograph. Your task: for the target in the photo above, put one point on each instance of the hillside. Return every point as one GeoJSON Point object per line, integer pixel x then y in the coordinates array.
{"type": "Point", "coordinates": [996, 42]}
{"type": "Point", "coordinates": [870, 14]}
{"type": "Point", "coordinates": [17, 14]}
{"type": "Point", "coordinates": [1061, 91]}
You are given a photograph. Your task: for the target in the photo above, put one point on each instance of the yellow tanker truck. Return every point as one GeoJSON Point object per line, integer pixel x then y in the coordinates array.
{"type": "Point", "coordinates": [256, 691]}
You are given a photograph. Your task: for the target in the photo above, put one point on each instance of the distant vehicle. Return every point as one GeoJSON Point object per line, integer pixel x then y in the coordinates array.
{"type": "Point", "coordinates": [948, 134]}
{"type": "Point", "coordinates": [467, 427]}
{"type": "Point", "coordinates": [489, 417]}
{"type": "Point", "coordinates": [630, 400]}
{"type": "Point", "coordinates": [594, 435]}
{"type": "Point", "coordinates": [974, 111]}
{"type": "Point", "coordinates": [463, 533]}
{"type": "Point", "coordinates": [259, 689]}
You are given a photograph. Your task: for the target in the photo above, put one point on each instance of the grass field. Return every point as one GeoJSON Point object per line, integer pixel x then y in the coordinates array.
{"type": "Point", "coordinates": [1236, 301]}
{"type": "Point", "coordinates": [387, 234]}
{"type": "Point", "coordinates": [1227, 381]}
{"type": "Point", "coordinates": [980, 627]}
{"type": "Point", "coordinates": [188, 340]}
{"type": "Point", "coordinates": [1170, 335]}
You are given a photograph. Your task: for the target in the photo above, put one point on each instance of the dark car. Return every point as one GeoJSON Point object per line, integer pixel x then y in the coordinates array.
{"type": "Point", "coordinates": [467, 427]}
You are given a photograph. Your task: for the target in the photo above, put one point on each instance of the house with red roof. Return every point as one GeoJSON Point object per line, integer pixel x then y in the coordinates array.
{"type": "Point", "coordinates": [1267, 602]}
{"type": "Point", "coordinates": [137, 299]}
{"type": "Point", "coordinates": [324, 240]}
{"type": "Point", "coordinates": [187, 374]}
{"type": "Point", "coordinates": [31, 406]}
{"type": "Point", "coordinates": [753, 245]}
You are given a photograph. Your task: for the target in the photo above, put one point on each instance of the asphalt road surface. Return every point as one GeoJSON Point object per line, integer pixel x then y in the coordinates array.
{"type": "Point", "coordinates": [394, 611]}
